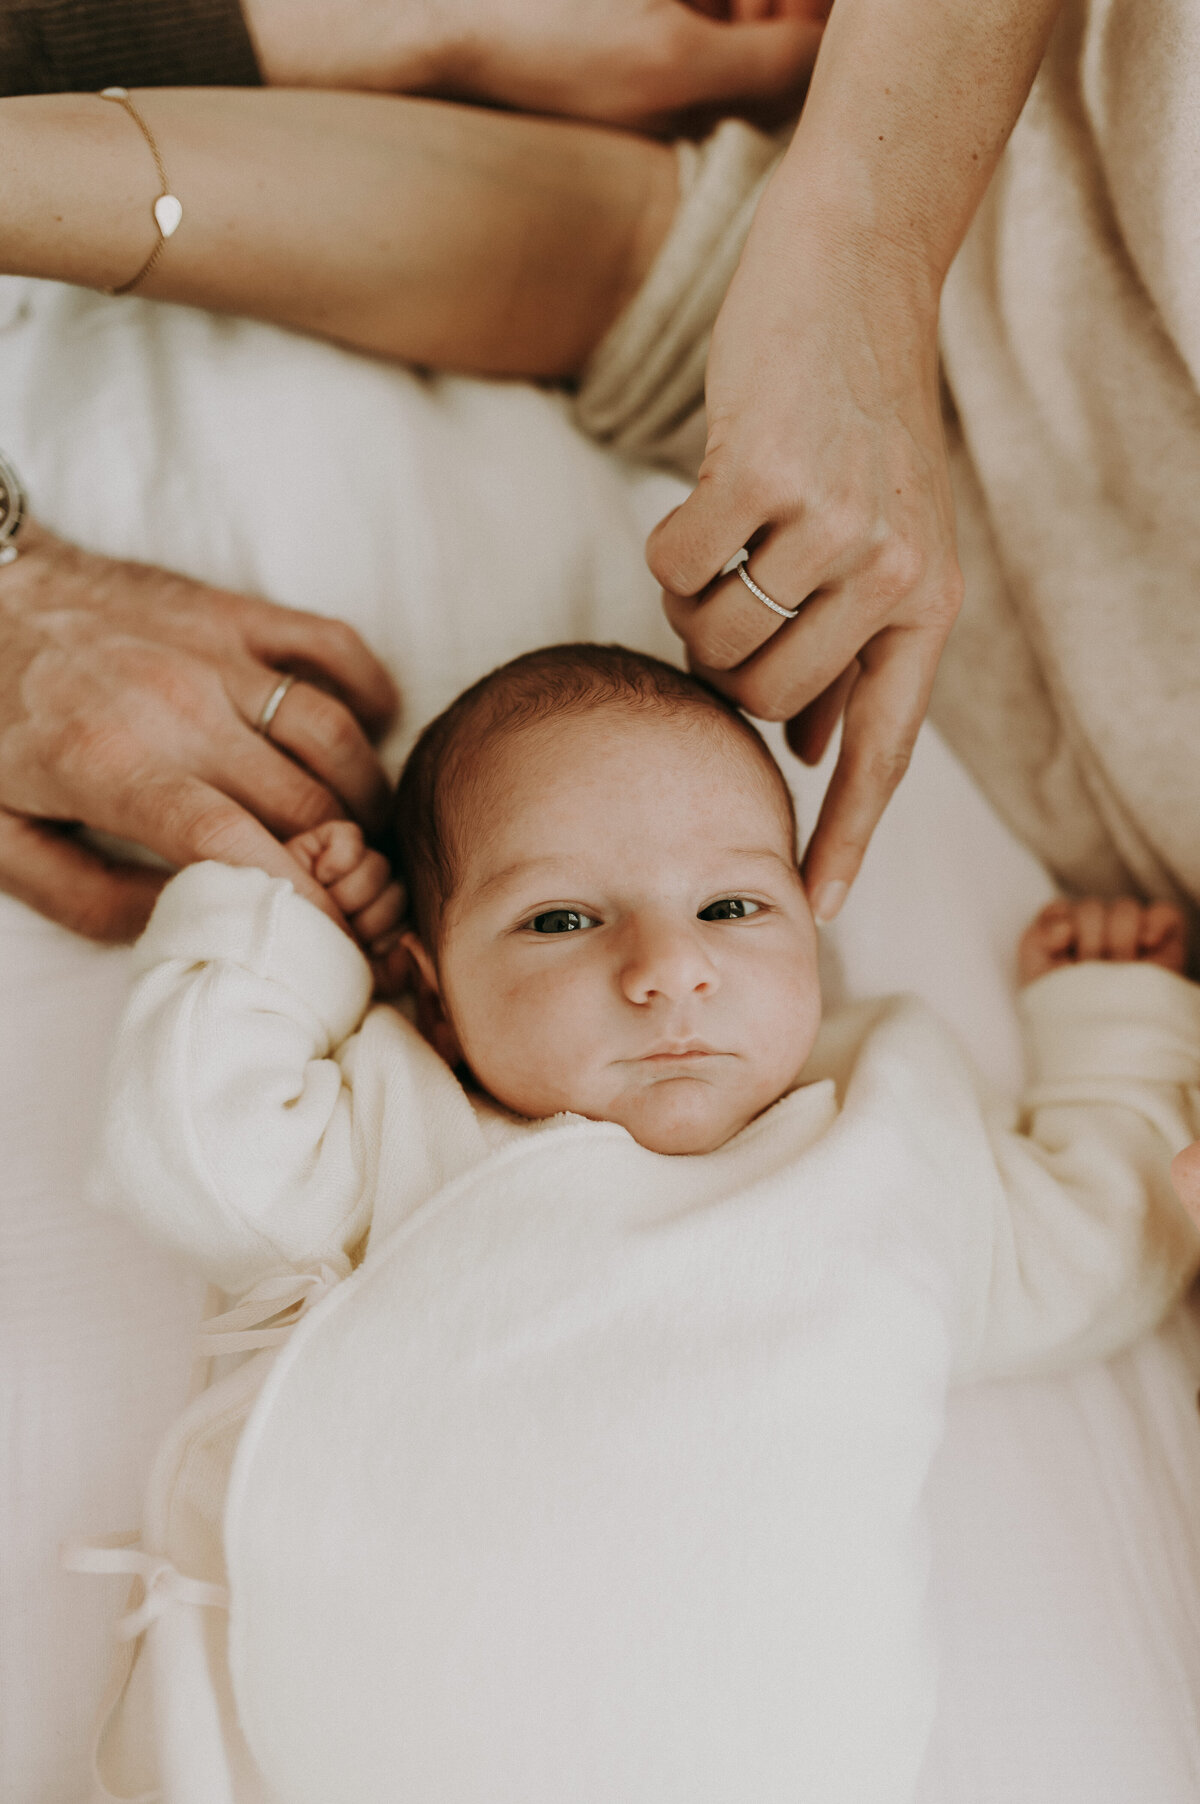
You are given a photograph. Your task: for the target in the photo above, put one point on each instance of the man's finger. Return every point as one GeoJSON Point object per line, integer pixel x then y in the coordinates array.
{"type": "Point", "coordinates": [883, 717]}
{"type": "Point", "coordinates": [329, 650]}
{"type": "Point", "coordinates": [322, 734]}
{"type": "Point", "coordinates": [185, 820]}
{"type": "Point", "coordinates": [48, 868]}
{"type": "Point", "coordinates": [261, 778]}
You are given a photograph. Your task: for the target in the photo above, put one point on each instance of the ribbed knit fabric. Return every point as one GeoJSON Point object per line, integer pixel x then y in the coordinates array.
{"type": "Point", "coordinates": [60, 46]}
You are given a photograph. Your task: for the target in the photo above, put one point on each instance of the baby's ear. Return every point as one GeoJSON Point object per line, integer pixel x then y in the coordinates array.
{"type": "Point", "coordinates": [431, 1017]}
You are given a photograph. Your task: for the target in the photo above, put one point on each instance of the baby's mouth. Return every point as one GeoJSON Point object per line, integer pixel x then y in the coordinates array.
{"type": "Point", "coordinates": [678, 1052]}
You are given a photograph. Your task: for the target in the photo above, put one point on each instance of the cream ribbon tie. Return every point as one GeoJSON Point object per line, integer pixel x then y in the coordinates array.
{"type": "Point", "coordinates": [266, 1315]}
{"type": "Point", "coordinates": [162, 1583]}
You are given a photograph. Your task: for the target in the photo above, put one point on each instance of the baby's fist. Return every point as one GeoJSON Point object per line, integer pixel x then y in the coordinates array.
{"type": "Point", "coordinates": [1073, 931]}
{"type": "Point", "coordinates": [357, 879]}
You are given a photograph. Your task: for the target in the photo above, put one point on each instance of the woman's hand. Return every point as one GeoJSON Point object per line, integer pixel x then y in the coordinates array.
{"type": "Point", "coordinates": [128, 703]}
{"type": "Point", "coordinates": [826, 457]}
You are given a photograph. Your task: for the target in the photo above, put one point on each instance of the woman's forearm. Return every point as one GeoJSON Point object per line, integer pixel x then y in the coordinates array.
{"type": "Point", "coordinates": [910, 107]}
{"type": "Point", "coordinates": [443, 235]}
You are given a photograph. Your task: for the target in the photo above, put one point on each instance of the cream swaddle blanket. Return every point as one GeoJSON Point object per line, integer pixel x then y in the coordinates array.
{"type": "Point", "coordinates": [601, 1477]}
{"type": "Point", "coordinates": [1071, 351]}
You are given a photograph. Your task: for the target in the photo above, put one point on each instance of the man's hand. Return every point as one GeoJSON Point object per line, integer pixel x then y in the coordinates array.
{"type": "Point", "coordinates": [638, 63]}
{"type": "Point", "coordinates": [128, 698]}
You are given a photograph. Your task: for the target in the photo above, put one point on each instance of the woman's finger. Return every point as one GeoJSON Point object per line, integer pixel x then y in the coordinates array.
{"type": "Point", "coordinates": [48, 868]}
{"type": "Point", "coordinates": [883, 716]}
{"type": "Point", "coordinates": [809, 732]}
{"type": "Point", "coordinates": [333, 652]}
{"type": "Point", "coordinates": [692, 544]}
{"type": "Point", "coordinates": [722, 626]}
{"type": "Point", "coordinates": [730, 620]}
{"type": "Point", "coordinates": [323, 736]}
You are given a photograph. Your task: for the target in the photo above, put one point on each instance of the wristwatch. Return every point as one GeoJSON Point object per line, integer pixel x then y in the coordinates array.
{"type": "Point", "coordinates": [12, 511]}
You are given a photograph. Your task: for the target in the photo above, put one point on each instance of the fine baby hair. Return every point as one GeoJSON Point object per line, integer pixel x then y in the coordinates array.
{"type": "Point", "coordinates": [439, 782]}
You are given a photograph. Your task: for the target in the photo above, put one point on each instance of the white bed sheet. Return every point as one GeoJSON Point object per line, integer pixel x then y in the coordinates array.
{"type": "Point", "coordinates": [455, 523]}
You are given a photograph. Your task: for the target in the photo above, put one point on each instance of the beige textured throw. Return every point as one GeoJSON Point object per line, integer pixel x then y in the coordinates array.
{"type": "Point", "coordinates": [1071, 344]}
{"type": "Point", "coordinates": [1071, 349]}
{"type": "Point", "coordinates": [643, 391]}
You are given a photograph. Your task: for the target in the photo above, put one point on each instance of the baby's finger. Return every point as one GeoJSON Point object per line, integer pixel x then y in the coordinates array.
{"type": "Point", "coordinates": [362, 883]}
{"type": "Point", "coordinates": [1158, 920]}
{"type": "Point", "coordinates": [1164, 935]}
{"type": "Point", "coordinates": [1091, 921]}
{"type": "Point", "coordinates": [1125, 919]}
{"type": "Point", "coordinates": [381, 915]}
{"type": "Point", "coordinates": [338, 848]}
{"type": "Point", "coordinates": [392, 968]}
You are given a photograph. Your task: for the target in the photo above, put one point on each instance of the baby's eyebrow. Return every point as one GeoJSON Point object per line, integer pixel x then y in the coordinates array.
{"type": "Point", "coordinates": [522, 867]}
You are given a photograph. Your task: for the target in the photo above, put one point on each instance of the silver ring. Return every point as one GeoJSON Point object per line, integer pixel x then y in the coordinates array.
{"type": "Point", "coordinates": [270, 707]}
{"type": "Point", "coordinates": [787, 613]}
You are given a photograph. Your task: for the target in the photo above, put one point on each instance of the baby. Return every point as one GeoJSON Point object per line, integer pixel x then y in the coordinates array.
{"type": "Point", "coordinates": [600, 1478]}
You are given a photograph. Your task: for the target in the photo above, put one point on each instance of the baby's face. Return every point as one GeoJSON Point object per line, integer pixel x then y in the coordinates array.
{"type": "Point", "coordinates": [629, 938]}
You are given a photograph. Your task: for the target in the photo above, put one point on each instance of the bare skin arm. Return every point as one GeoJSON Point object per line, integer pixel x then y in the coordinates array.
{"type": "Point", "coordinates": [433, 233]}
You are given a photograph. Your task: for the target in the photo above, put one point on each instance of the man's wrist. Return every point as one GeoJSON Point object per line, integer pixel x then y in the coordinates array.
{"type": "Point", "coordinates": [393, 46]}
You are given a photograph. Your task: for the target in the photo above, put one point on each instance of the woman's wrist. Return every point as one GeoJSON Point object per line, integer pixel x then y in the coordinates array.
{"type": "Point", "coordinates": [840, 230]}
{"type": "Point", "coordinates": [74, 206]}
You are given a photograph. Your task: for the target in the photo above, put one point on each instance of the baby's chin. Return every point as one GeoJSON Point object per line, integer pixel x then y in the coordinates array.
{"type": "Point", "coordinates": [682, 1116]}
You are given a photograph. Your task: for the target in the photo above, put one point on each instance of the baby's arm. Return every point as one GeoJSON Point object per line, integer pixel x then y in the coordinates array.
{"type": "Point", "coordinates": [230, 1130]}
{"type": "Point", "coordinates": [1091, 1247]}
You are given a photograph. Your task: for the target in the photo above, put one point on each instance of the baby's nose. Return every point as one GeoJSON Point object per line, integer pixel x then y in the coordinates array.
{"type": "Point", "coordinates": [669, 962]}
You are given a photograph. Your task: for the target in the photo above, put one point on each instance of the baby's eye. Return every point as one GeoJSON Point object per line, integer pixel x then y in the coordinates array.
{"type": "Point", "coordinates": [562, 920]}
{"type": "Point", "coordinates": [729, 908]}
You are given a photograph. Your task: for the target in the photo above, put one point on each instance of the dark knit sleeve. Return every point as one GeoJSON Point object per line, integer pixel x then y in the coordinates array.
{"type": "Point", "coordinates": [75, 46]}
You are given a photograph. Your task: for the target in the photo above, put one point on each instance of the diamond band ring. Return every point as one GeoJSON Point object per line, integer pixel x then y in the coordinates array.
{"type": "Point", "coordinates": [775, 607]}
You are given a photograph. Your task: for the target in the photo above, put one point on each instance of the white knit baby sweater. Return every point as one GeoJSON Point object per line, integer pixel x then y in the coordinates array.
{"type": "Point", "coordinates": [599, 1480]}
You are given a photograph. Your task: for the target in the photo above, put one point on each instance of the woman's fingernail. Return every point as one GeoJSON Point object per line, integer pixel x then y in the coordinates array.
{"type": "Point", "coordinates": [827, 902]}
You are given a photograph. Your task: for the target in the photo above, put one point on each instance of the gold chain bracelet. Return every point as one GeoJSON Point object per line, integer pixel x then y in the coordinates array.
{"type": "Point", "coordinates": [167, 210]}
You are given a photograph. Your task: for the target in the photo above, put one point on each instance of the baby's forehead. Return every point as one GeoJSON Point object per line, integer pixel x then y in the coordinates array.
{"type": "Point", "coordinates": [599, 759]}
